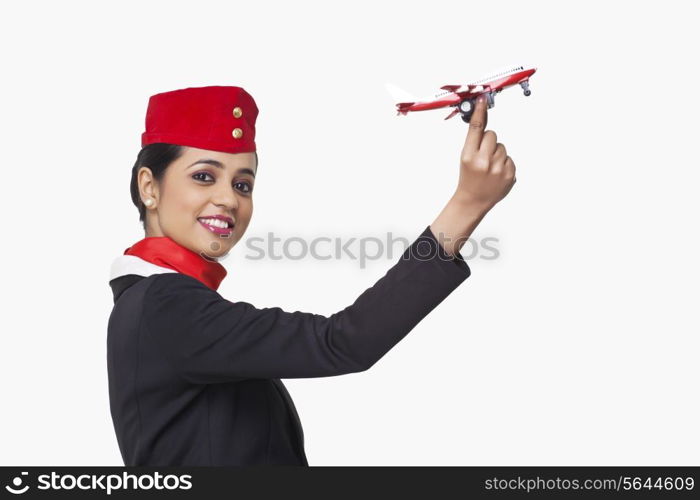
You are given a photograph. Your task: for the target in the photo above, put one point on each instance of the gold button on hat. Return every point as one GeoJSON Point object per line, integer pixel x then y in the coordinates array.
{"type": "Point", "coordinates": [237, 112]}
{"type": "Point", "coordinates": [237, 133]}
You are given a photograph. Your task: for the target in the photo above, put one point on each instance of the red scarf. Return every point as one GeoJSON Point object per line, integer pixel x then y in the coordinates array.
{"type": "Point", "coordinates": [162, 251]}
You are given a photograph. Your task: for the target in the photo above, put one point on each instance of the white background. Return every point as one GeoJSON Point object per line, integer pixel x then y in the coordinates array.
{"type": "Point", "coordinates": [577, 346]}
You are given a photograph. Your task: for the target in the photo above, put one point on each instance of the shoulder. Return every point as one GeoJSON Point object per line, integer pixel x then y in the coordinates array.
{"type": "Point", "coordinates": [175, 303]}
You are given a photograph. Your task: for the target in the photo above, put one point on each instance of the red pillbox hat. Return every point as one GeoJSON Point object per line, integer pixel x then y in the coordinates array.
{"type": "Point", "coordinates": [217, 118]}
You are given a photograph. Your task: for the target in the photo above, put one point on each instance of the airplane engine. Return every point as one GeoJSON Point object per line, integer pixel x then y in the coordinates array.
{"type": "Point", "coordinates": [526, 88]}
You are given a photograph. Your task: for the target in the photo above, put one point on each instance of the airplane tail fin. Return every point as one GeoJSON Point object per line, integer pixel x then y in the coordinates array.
{"type": "Point", "coordinates": [403, 99]}
{"type": "Point", "coordinates": [399, 94]}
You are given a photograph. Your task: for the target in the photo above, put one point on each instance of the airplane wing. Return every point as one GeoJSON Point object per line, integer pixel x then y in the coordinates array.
{"type": "Point", "coordinates": [456, 110]}
{"type": "Point", "coordinates": [467, 89]}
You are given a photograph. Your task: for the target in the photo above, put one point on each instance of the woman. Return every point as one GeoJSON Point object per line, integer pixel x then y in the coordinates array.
{"type": "Point", "coordinates": [194, 379]}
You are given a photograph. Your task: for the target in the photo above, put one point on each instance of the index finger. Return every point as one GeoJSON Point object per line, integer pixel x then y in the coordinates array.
{"type": "Point", "coordinates": [477, 124]}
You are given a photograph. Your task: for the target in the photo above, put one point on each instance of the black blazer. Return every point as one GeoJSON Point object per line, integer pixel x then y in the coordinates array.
{"type": "Point", "coordinates": [194, 378]}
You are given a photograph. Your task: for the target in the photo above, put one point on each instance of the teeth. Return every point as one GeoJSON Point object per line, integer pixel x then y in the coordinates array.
{"type": "Point", "coordinates": [215, 223]}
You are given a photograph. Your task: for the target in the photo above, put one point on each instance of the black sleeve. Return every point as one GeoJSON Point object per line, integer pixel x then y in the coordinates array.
{"type": "Point", "coordinates": [209, 339]}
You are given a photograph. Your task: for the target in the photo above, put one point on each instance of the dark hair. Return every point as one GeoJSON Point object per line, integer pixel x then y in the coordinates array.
{"type": "Point", "coordinates": [157, 157]}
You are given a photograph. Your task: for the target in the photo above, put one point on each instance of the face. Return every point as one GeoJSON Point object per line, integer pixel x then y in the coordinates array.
{"type": "Point", "coordinates": [201, 195]}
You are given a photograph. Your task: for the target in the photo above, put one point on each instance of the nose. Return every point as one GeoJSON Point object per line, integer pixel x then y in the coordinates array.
{"type": "Point", "coordinates": [225, 197]}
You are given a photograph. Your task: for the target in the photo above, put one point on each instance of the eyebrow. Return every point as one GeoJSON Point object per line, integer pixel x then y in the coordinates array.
{"type": "Point", "coordinates": [218, 164]}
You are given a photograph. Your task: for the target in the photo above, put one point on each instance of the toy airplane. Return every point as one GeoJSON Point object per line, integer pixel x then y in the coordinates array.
{"type": "Point", "coordinates": [463, 97]}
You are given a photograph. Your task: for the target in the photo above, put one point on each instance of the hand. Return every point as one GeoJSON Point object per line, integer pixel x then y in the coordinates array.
{"type": "Point", "coordinates": [486, 174]}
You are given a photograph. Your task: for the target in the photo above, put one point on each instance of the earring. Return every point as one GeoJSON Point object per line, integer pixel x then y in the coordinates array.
{"type": "Point", "coordinates": [148, 202]}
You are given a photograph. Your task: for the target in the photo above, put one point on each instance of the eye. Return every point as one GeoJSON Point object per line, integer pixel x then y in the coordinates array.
{"type": "Point", "coordinates": [194, 176]}
{"type": "Point", "coordinates": [244, 186]}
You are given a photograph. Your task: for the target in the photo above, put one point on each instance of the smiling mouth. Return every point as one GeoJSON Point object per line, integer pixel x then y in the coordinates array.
{"type": "Point", "coordinates": [217, 226]}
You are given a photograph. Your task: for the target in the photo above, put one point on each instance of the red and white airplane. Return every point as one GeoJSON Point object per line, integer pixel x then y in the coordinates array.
{"type": "Point", "coordinates": [463, 97]}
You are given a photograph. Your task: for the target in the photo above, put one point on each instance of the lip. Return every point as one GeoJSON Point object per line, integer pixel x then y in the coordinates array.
{"type": "Point", "coordinates": [225, 231]}
{"type": "Point", "coordinates": [220, 217]}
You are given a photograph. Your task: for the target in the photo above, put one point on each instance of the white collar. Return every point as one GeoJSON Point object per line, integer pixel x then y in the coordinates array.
{"type": "Point", "coordinates": [131, 264]}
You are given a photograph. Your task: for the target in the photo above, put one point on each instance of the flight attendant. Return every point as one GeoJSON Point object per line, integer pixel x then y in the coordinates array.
{"type": "Point", "coordinates": [194, 379]}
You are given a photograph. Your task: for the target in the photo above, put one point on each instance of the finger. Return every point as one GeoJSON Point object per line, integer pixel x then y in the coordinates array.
{"type": "Point", "coordinates": [477, 124]}
{"type": "Point", "coordinates": [498, 166]}
{"type": "Point", "coordinates": [488, 144]}
{"type": "Point", "coordinates": [510, 168]}
{"type": "Point", "coordinates": [500, 152]}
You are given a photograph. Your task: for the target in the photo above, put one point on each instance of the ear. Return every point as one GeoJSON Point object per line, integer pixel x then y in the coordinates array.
{"type": "Point", "coordinates": [148, 187]}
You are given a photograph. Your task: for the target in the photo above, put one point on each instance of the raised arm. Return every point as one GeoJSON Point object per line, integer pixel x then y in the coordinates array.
{"type": "Point", "coordinates": [209, 339]}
